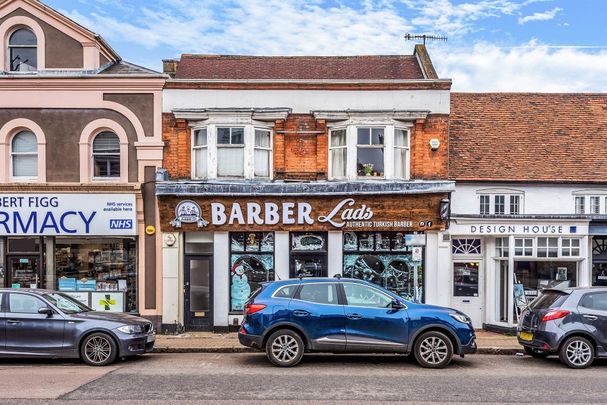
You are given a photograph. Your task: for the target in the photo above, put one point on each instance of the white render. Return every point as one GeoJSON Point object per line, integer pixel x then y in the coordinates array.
{"type": "Point", "coordinates": [304, 101]}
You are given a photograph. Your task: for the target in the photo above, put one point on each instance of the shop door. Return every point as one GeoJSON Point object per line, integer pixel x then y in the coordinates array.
{"type": "Point", "coordinates": [467, 295]}
{"type": "Point", "coordinates": [23, 272]}
{"type": "Point", "coordinates": [198, 293]}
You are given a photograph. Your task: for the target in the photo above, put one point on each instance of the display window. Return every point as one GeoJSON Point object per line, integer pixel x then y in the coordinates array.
{"type": "Point", "coordinates": [105, 267]}
{"type": "Point", "coordinates": [384, 259]}
{"type": "Point", "coordinates": [538, 275]}
{"type": "Point", "coordinates": [599, 261]}
{"type": "Point", "coordinates": [308, 254]}
{"type": "Point", "coordinates": [251, 263]}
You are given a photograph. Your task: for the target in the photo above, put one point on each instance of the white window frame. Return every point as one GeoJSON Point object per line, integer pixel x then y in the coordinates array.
{"type": "Point", "coordinates": [351, 125]}
{"type": "Point", "coordinates": [332, 176]}
{"type": "Point", "coordinates": [525, 246]}
{"type": "Point", "coordinates": [12, 154]}
{"type": "Point", "coordinates": [108, 178]}
{"type": "Point", "coordinates": [507, 194]}
{"type": "Point", "coordinates": [269, 149]}
{"type": "Point", "coordinates": [565, 243]}
{"type": "Point", "coordinates": [249, 146]}
{"type": "Point", "coordinates": [370, 145]}
{"type": "Point", "coordinates": [196, 148]}
{"type": "Point", "coordinates": [407, 149]}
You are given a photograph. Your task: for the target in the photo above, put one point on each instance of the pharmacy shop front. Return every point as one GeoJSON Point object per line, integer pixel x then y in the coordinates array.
{"type": "Point", "coordinates": [217, 250]}
{"type": "Point", "coordinates": [82, 244]}
{"type": "Point", "coordinates": [500, 265]}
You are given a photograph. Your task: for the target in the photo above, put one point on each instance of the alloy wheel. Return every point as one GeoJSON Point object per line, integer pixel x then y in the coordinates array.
{"type": "Point", "coordinates": [579, 353]}
{"type": "Point", "coordinates": [285, 348]}
{"type": "Point", "coordinates": [98, 350]}
{"type": "Point", "coordinates": [434, 350]}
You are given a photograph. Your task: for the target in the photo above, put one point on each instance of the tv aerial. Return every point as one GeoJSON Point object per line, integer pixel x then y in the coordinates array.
{"type": "Point", "coordinates": [424, 37]}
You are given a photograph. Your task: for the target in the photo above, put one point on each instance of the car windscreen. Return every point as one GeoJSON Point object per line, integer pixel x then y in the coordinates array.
{"type": "Point", "coordinates": [66, 303]}
{"type": "Point", "coordinates": [549, 299]}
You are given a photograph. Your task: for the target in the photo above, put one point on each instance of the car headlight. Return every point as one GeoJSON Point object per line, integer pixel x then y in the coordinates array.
{"type": "Point", "coordinates": [460, 317]}
{"type": "Point", "coordinates": [131, 329]}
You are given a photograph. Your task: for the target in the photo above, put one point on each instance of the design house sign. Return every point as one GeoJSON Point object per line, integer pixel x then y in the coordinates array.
{"type": "Point", "coordinates": [415, 212]}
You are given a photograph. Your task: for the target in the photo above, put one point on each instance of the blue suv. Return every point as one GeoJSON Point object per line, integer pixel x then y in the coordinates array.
{"type": "Point", "coordinates": [290, 317]}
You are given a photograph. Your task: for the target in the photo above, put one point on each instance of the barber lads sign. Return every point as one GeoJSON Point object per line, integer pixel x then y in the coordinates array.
{"type": "Point", "coordinates": [282, 213]}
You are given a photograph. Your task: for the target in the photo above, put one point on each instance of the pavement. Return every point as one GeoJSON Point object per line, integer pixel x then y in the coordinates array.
{"type": "Point", "coordinates": [207, 342]}
{"type": "Point", "coordinates": [248, 378]}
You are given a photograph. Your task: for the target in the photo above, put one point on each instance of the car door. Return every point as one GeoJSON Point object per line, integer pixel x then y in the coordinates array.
{"type": "Point", "coordinates": [317, 311]}
{"type": "Point", "coordinates": [593, 309]}
{"type": "Point", "coordinates": [27, 331]}
{"type": "Point", "coordinates": [2, 323]}
{"type": "Point", "coordinates": [371, 323]}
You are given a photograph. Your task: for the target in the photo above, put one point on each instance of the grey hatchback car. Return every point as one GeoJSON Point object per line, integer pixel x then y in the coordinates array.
{"type": "Point", "coordinates": [43, 323]}
{"type": "Point", "coordinates": [570, 322]}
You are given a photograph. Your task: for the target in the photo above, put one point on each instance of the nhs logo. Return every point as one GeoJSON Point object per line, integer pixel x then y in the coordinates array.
{"type": "Point", "coordinates": [121, 224]}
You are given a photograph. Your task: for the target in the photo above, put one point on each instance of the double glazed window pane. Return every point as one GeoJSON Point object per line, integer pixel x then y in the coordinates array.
{"type": "Point", "coordinates": [370, 136]}
{"type": "Point", "coordinates": [230, 136]}
{"type": "Point", "coordinates": [230, 152]}
{"type": "Point", "coordinates": [263, 145]}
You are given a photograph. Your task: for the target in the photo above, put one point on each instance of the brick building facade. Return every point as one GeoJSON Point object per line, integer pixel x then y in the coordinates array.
{"type": "Point", "coordinates": [282, 167]}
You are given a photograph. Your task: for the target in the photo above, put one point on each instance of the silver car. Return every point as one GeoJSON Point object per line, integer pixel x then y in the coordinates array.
{"type": "Point", "coordinates": [43, 323]}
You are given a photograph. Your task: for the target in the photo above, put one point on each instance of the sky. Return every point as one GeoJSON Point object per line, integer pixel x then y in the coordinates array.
{"type": "Point", "coordinates": [493, 45]}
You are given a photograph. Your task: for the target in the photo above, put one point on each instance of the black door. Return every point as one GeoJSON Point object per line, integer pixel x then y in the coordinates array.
{"type": "Point", "coordinates": [198, 293]}
{"type": "Point", "coordinates": [29, 332]}
{"type": "Point", "coordinates": [23, 272]}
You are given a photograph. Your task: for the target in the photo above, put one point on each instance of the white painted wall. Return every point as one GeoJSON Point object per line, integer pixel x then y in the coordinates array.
{"type": "Point", "coordinates": [221, 278]}
{"type": "Point", "coordinates": [281, 255]}
{"type": "Point", "coordinates": [335, 254]}
{"type": "Point", "coordinates": [172, 265]}
{"type": "Point", "coordinates": [304, 101]}
{"type": "Point", "coordinates": [538, 199]}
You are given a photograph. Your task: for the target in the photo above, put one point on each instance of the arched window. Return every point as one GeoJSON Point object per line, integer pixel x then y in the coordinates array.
{"type": "Point", "coordinates": [23, 52]}
{"type": "Point", "coordinates": [106, 155]}
{"type": "Point", "coordinates": [24, 155]}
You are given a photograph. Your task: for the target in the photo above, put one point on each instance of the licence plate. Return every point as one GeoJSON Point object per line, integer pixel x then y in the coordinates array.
{"type": "Point", "coordinates": [151, 338]}
{"type": "Point", "coordinates": [526, 336]}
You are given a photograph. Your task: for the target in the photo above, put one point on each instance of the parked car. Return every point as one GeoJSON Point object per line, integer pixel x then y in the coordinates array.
{"type": "Point", "coordinates": [287, 318]}
{"type": "Point", "coordinates": [43, 323]}
{"type": "Point", "coordinates": [570, 322]}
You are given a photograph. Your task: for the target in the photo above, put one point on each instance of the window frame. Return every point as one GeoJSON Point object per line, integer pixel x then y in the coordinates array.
{"type": "Point", "coordinates": [196, 148]}
{"type": "Point", "coordinates": [269, 149]}
{"type": "Point", "coordinates": [371, 145]}
{"type": "Point", "coordinates": [333, 148]}
{"type": "Point", "coordinates": [407, 149]}
{"type": "Point", "coordinates": [119, 154]}
{"type": "Point", "coordinates": [9, 50]}
{"type": "Point", "coordinates": [12, 154]}
{"type": "Point", "coordinates": [509, 197]}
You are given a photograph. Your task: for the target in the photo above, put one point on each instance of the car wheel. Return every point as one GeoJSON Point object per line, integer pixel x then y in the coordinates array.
{"type": "Point", "coordinates": [577, 352]}
{"type": "Point", "coordinates": [433, 350]}
{"type": "Point", "coordinates": [285, 348]}
{"type": "Point", "coordinates": [538, 354]}
{"type": "Point", "coordinates": [98, 349]}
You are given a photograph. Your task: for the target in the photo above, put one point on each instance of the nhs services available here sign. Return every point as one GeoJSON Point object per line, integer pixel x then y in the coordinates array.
{"type": "Point", "coordinates": [68, 214]}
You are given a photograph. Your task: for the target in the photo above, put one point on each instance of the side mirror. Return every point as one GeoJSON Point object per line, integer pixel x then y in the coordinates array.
{"type": "Point", "coordinates": [397, 305]}
{"type": "Point", "coordinates": [45, 311]}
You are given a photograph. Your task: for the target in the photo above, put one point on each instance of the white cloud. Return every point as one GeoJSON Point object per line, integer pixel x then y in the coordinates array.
{"type": "Point", "coordinates": [532, 67]}
{"type": "Point", "coordinates": [545, 16]}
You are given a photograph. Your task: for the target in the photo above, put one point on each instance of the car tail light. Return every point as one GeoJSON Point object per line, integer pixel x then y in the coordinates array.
{"type": "Point", "coordinates": [557, 314]}
{"type": "Point", "coordinates": [252, 308]}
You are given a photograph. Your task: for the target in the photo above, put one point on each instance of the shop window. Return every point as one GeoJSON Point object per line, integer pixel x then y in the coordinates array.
{"type": "Point", "coordinates": [515, 204]}
{"type": "Point", "coordinates": [106, 155]}
{"type": "Point", "coordinates": [401, 153]}
{"type": "Point", "coordinates": [485, 205]}
{"type": "Point", "coordinates": [24, 156]}
{"type": "Point", "coordinates": [547, 247]}
{"type": "Point", "coordinates": [230, 152]}
{"type": "Point", "coordinates": [580, 205]}
{"type": "Point", "coordinates": [99, 265]}
{"type": "Point", "coordinates": [364, 296]}
{"type": "Point", "coordinates": [370, 152]}
{"type": "Point", "coordinates": [338, 154]}
{"type": "Point", "coordinates": [201, 153]}
{"type": "Point", "coordinates": [23, 51]}
{"type": "Point", "coordinates": [501, 247]}
{"type": "Point", "coordinates": [465, 279]}
{"type": "Point", "coordinates": [537, 275]}
{"type": "Point", "coordinates": [308, 255]}
{"type": "Point", "coordinates": [500, 204]}
{"type": "Point", "coordinates": [523, 247]}
{"type": "Point", "coordinates": [384, 259]}
{"type": "Point", "coordinates": [263, 153]}
{"type": "Point", "coordinates": [570, 247]}
{"type": "Point", "coordinates": [466, 246]}
{"type": "Point", "coordinates": [319, 293]}
{"type": "Point", "coordinates": [251, 263]}
{"type": "Point", "coordinates": [599, 261]}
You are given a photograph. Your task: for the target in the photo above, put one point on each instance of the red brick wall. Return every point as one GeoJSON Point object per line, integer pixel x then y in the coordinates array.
{"type": "Point", "coordinates": [427, 164]}
{"type": "Point", "coordinates": [177, 139]}
{"type": "Point", "coordinates": [301, 148]}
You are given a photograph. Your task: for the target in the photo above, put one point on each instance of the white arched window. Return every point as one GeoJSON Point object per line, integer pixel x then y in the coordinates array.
{"type": "Point", "coordinates": [23, 51]}
{"type": "Point", "coordinates": [106, 156]}
{"type": "Point", "coordinates": [24, 156]}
